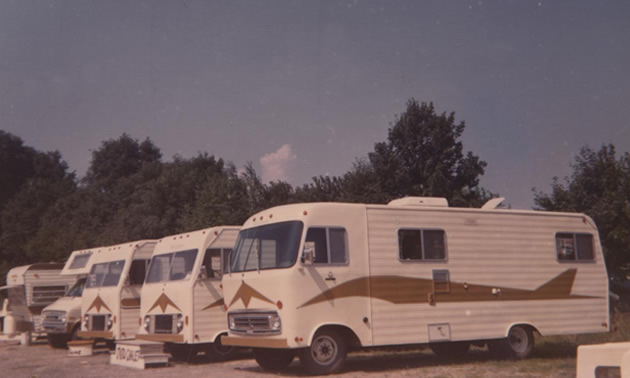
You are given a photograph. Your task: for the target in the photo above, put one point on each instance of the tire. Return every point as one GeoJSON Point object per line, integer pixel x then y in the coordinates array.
{"type": "Point", "coordinates": [58, 340]}
{"type": "Point", "coordinates": [273, 359]}
{"type": "Point", "coordinates": [517, 345]}
{"type": "Point", "coordinates": [327, 353]}
{"type": "Point", "coordinates": [182, 352]}
{"type": "Point", "coordinates": [450, 350]}
{"type": "Point", "coordinates": [219, 352]}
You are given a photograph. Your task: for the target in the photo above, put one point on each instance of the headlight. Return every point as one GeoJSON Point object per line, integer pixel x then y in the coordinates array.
{"type": "Point", "coordinates": [86, 320]}
{"type": "Point", "coordinates": [110, 321]}
{"type": "Point", "coordinates": [231, 322]}
{"type": "Point", "coordinates": [180, 322]}
{"type": "Point", "coordinates": [147, 322]}
{"type": "Point", "coordinates": [274, 322]}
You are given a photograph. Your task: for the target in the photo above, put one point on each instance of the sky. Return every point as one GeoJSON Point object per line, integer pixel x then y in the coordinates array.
{"type": "Point", "coordinates": [304, 88]}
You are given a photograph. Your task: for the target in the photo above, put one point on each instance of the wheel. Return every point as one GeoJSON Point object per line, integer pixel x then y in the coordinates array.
{"type": "Point", "coordinates": [273, 359]}
{"type": "Point", "coordinates": [182, 352]}
{"type": "Point", "coordinates": [450, 350]}
{"type": "Point", "coordinates": [57, 340]}
{"type": "Point", "coordinates": [219, 352]}
{"type": "Point", "coordinates": [326, 354]}
{"type": "Point", "coordinates": [518, 344]}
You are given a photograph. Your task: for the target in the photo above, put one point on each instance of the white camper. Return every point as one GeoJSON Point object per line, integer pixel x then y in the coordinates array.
{"type": "Point", "coordinates": [182, 299]}
{"type": "Point", "coordinates": [110, 304]}
{"type": "Point", "coordinates": [29, 289]}
{"type": "Point", "coordinates": [315, 279]}
{"type": "Point", "coordinates": [62, 319]}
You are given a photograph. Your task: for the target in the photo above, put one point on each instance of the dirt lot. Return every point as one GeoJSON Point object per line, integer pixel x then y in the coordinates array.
{"type": "Point", "coordinates": [39, 360]}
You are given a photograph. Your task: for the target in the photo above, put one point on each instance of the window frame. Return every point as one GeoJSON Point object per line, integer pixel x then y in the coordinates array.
{"type": "Point", "coordinates": [422, 252]}
{"type": "Point", "coordinates": [328, 250]}
{"type": "Point", "coordinates": [575, 260]}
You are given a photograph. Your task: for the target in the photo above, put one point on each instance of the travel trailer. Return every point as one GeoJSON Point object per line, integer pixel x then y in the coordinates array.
{"type": "Point", "coordinates": [62, 319]}
{"type": "Point", "coordinates": [29, 289]}
{"type": "Point", "coordinates": [110, 304]}
{"type": "Point", "coordinates": [182, 299]}
{"type": "Point", "coordinates": [315, 279]}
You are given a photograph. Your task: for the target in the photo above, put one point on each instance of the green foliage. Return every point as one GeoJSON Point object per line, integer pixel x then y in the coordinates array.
{"type": "Point", "coordinates": [599, 187]}
{"type": "Point", "coordinates": [129, 193]}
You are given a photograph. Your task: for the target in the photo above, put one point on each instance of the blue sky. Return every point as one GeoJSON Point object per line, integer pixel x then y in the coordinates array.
{"type": "Point", "coordinates": [303, 88]}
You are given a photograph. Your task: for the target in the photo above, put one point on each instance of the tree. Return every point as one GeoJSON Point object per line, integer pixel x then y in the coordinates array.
{"type": "Point", "coordinates": [599, 186]}
{"type": "Point", "coordinates": [423, 156]}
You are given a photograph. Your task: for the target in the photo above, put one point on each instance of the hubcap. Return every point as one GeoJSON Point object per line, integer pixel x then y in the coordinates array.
{"type": "Point", "coordinates": [324, 350]}
{"type": "Point", "coordinates": [518, 340]}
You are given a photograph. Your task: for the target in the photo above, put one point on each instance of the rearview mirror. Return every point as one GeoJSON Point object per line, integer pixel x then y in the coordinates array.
{"type": "Point", "coordinates": [308, 254]}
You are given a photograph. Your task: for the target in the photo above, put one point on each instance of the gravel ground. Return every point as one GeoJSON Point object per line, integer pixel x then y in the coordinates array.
{"type": "Point", "coordinates": [40, 360]}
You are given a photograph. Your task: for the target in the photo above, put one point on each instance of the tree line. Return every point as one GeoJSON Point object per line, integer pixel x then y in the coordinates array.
{"type": "Point", "coordinates": [129, 192]}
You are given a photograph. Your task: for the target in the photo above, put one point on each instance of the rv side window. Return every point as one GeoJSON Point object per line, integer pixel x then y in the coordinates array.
{"type": "Point", "coordinates": [212, 262]}
{"type": "Point", "coordinates": [330, 245]}
{"type": "Point", "coordinates": [138, 271]}
{"type": "Point", "coordinates": [574, 247]}
{"type": "Point", "coordinates": [421, 244]}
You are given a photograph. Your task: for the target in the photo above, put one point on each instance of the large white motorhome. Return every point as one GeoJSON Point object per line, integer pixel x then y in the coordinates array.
{"type": "Point", "coordinates": [29, 289]}
{"type": "Point", "coordinates": [110, 304]}
{"type": "Point", "coordinates": [62, 319]}
{"type": "Point", "coordinates": [182, 299]}
{"type": "Point", "coordinates": [315, 279]}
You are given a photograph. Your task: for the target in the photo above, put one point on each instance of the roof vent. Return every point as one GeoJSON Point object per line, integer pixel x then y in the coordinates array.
{"type": "Point", "coordinates": [420, 201]}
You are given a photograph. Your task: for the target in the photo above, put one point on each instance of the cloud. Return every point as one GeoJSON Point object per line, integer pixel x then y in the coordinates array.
{"type": "Point", "coordinates": [278, 165]}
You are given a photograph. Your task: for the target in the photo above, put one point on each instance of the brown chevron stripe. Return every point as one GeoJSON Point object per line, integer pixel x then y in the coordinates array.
{"type": "Point", "coordinates": [215, 304]}
{"type": "Point", "coordinates": [404, 290]}
{"type": "Point", "coordinates": [98, 303]}
{"type": "Point", "coordinates": [245, 293]}
{"type": "Point", "coordinates": [163, 301]}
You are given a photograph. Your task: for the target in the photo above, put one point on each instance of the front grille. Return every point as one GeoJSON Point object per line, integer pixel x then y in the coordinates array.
{"type": "Point", "coordinates": [97, 323]}
{"type": "Point", "coordinates": [256, 323]}
{"type": "Point", "coordinates": [164, 323]}
{"type": "Point", "coordinates": [54, 321]}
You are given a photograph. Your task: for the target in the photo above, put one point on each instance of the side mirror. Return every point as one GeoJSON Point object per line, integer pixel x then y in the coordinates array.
{"type": "Point", "coordinates": [203, 273]}
{"type": "Point", "coordinates": [308, 254]}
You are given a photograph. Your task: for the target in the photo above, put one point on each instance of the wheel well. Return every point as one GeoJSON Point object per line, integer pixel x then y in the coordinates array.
{"type": "Point", "coordinates": [348, 333]}
{"type": "Point", "coordinates": [524, 325]}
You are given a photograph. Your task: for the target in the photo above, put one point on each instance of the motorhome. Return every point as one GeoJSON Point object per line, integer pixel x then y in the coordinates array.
{"type": "Point", "coordinates": [29, 289]}
{"type": "Point", "coordinates": [182, 299]}
{"type": "Point", "coordinates": [62, 319]}
{"type": "Point", "coordinates": [110, 304]}
{"type": "Point", "coordinates": [315, 279]}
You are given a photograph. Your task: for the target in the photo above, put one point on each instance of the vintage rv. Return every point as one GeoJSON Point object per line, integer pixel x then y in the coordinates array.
{"type": "Point", "coordinates": [315, 279]}
{"type": "Point", "coordinates": [110, 304]}
{"type": "Point", "coordinates": [29, 289]}
{"type": "Point", "coordinates": [182, 299]}
{"type": "Point", "coordinates": [62, 319]}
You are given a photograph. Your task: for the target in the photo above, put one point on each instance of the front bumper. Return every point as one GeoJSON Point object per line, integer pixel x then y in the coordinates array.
{"type": "Point", "coordinates": [254, 342]}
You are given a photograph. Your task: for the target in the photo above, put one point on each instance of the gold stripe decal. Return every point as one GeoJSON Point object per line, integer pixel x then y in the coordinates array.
{"type": "Point", "coordinates": [163, 301]}
{"type": "Point", "coordinates": [406, 290]}
{"type": "Point", "coordinates": [98, 303]}
{"type": "Point", "coordinates": [245, 293]}
{"type": "Point", "coordinates": [215, 304]}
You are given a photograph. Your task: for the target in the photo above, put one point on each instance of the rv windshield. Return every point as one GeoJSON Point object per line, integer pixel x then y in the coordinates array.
{"type": "Point", "coordinates": [267, 247]}
{"type": "Point", "coordinates": [77, 289]}
{"type": "Point", "coordinates": [105, 274]}
{"type": "Point", "coordinates": [175, 266]}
